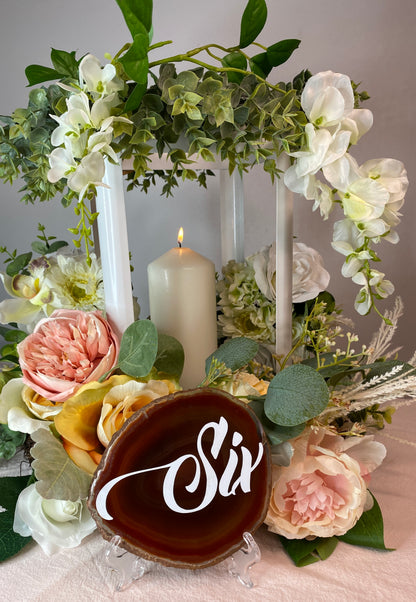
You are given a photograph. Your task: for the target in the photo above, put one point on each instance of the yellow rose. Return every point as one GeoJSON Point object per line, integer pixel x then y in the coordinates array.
{"type": "Point", "coordinates": [89, 419]}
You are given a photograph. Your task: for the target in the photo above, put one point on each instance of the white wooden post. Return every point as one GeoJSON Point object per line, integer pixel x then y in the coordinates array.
{"type": "Point", "coordinates": [284, 262]}
{"type": "Point", "coordinates": [114, 249]}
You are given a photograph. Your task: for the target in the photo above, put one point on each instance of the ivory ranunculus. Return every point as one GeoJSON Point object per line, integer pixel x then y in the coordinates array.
{"type": "Point", "coordinates": [53, 524]}
{"type": "Point", "coordinates": [64, 351]}
{"type": "Point", "coordinates": [323, 491]}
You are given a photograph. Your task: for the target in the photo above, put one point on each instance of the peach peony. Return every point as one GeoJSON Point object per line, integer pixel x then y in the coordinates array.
{"type": "Point", "coordinates": [322, 492]}
{"type": "Point", "coordinates": [66, 350]}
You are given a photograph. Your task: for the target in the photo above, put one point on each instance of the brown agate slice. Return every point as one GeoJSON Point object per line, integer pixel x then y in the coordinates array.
{"type": "Point", "coordinates": [202, 479]}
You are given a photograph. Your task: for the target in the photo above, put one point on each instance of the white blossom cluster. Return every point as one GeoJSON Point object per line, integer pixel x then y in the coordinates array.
{"type": "Point", "coordinates": [86, 130]}
{"type": "Point", "coordinates": [370, 195]}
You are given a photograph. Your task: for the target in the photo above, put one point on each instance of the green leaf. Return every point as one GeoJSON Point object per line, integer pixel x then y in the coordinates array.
{"type": "Point", "coordinates": [137, 14]}
{"type": "Point", "coordinates": [55, 246]}
{"type": "Point", "coordinates": [65, 63]}
{"type": "Point", "coordinates": [138, 348]}
{"type": "Point", "coordinates": [170, 356]}
{"type": "Point", "coordinates": [260, 64]}
{"type": "Point", "coordinates": [234, 353]}
{"type": "Point", "coordinates": [18, 264]}
{"type": "Point", "coordinates": [236, 60]}
{"type": "Point", "coordinates": [368, 531]}
{"type": "Point", "coordinates": [10, 542]}
{"type": "Point", "coordinates": [135, 61]}
{"type": "Point", "coordinates": [277, 434]}
{"type": "Point", "coordinates": [279, 53]}
{"type": "Point", "coordinates": [252, 21]}
{"type": "Point", "coordinates": [295, 395]}
{"type": "Point", "coordinates": [304, 552]}
{"type": "Point", "coordinates": [36, 74]}
{"type": "Point", "coordinates": [135, 97]}
{"type": "Point", "coordinates": [58, 477]}
{"type": "Point", "coordinates": [15, 336]}
{"type": "Point", "coordinates": [382, 368]}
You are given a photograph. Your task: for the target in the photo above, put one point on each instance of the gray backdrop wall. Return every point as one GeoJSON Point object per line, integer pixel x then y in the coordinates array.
{"type": "Point", "coordinates": [371, 41]}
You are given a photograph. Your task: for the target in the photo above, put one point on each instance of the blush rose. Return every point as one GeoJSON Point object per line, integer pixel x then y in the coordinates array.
{"type": "Point", "coordinates": [66, 350]}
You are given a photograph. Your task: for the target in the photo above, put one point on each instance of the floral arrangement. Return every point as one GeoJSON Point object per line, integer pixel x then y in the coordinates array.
{"type": "Point", "coordinates": [247, 295]}
{"type": "Point", "coordinates": [69, 383]}
{"type": "Point", "coordinates": [226, 107]}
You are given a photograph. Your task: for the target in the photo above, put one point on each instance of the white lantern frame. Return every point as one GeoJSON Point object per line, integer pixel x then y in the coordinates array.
{"type": "Point", "coordinates": [114, 250]}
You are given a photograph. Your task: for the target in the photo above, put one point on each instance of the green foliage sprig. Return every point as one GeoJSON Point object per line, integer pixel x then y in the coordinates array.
{"type": "Point", "coordinates": [223, 107]}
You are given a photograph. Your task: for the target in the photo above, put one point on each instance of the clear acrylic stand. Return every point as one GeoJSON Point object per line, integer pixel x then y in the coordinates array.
{"type": "Point", "coordinates": [123, 568]}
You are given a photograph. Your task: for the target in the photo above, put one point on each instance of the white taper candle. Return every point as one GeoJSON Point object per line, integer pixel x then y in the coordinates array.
{"type": "Point", "coordinates": [114, 249]}
{"type": "Point", "coordinates": [284, 261]}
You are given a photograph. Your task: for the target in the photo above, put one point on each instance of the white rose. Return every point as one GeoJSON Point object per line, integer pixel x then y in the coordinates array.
{"type": "Point", "coordinates": [53, 524]}
{"type": "Point", "coordinates": [309, 275]}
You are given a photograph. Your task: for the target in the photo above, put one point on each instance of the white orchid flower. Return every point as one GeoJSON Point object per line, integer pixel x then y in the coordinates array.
{"type": "Point", "coordinates": [327, 98]}
{"type": "Point", "coordinates": [382, 287]}
{"type": "Point", "coordinates": [100, 142]}
{"type": "Point", "coordinates": [391, 174]}
{"type": "Point", "coordinates": [90, 172]}
{"type": "Point", "coordinates": [358, 122]}
{"type": "Point", "coordinates": [62, 163]}
{"type": "Point", "coordinates": [96, 79]}
{"type": "Point", "coordinates": [363, 199]}
{"type": "Point", "coordinates": [322, 148]}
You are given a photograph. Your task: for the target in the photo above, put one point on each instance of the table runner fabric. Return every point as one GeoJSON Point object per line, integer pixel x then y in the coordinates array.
{"type": "Point", "coordinates": [350, 574]}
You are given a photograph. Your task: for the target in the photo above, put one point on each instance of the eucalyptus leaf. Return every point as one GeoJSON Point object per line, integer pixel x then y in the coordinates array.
{"type": "Point", "coordinates": [369, 530]}
{"type": "Point", "coordinates": [58, 477]}
{"type": "Point", "coordinates": [18, 264]}
{"type": "Point", "coordinates": [252, 21]}
{"type": "Point", "coordinates": [295, 395]}
{"type": "Point", "coordinates": [304, 552]}
{"type": "Point", "coordinates": [234, 353]}
{"type": "Point", "coordinates": [138, 348]}
{"type": "Point", "coordinates": [276, 434]}
{"type": "Point", "coordinates": [10, 542]}
{"type": "Point", "coordinates": [170, 356]}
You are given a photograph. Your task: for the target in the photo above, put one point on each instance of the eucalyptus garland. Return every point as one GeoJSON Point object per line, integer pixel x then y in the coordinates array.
{"type": "Point", "coordinates": [225, 106]}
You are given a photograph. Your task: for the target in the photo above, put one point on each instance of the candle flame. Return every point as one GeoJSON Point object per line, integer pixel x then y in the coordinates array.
{"type": "Point", "coordinates": [180, 236]}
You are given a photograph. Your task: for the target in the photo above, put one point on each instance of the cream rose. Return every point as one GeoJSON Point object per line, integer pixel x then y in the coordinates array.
{"type": "Point", "coordinates": [323, 491]}
{"type": "Point", "coordinates": [64, 351]}
{"type": "Point", "coordinates": [309, 275]}
{"type": "Point", "coordinates": [53, 524]}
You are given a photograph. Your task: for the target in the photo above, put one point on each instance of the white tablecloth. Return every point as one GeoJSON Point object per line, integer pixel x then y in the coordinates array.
{"type": "Point", "coordinates": [350, 574]}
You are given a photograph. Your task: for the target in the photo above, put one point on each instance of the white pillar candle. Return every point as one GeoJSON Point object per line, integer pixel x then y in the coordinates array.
{"type": "Point", "coordinates": [182, 300]}
{"type": "Point", "coordinates": [284, 262]}
{"type": "Point", "coordinates": [114, 249]}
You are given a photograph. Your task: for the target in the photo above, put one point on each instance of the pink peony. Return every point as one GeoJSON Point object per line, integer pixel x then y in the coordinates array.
{"type": "Point", "coordinates": [66, 350]}
{"type": "Point", "coordinates": [323, 491]}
